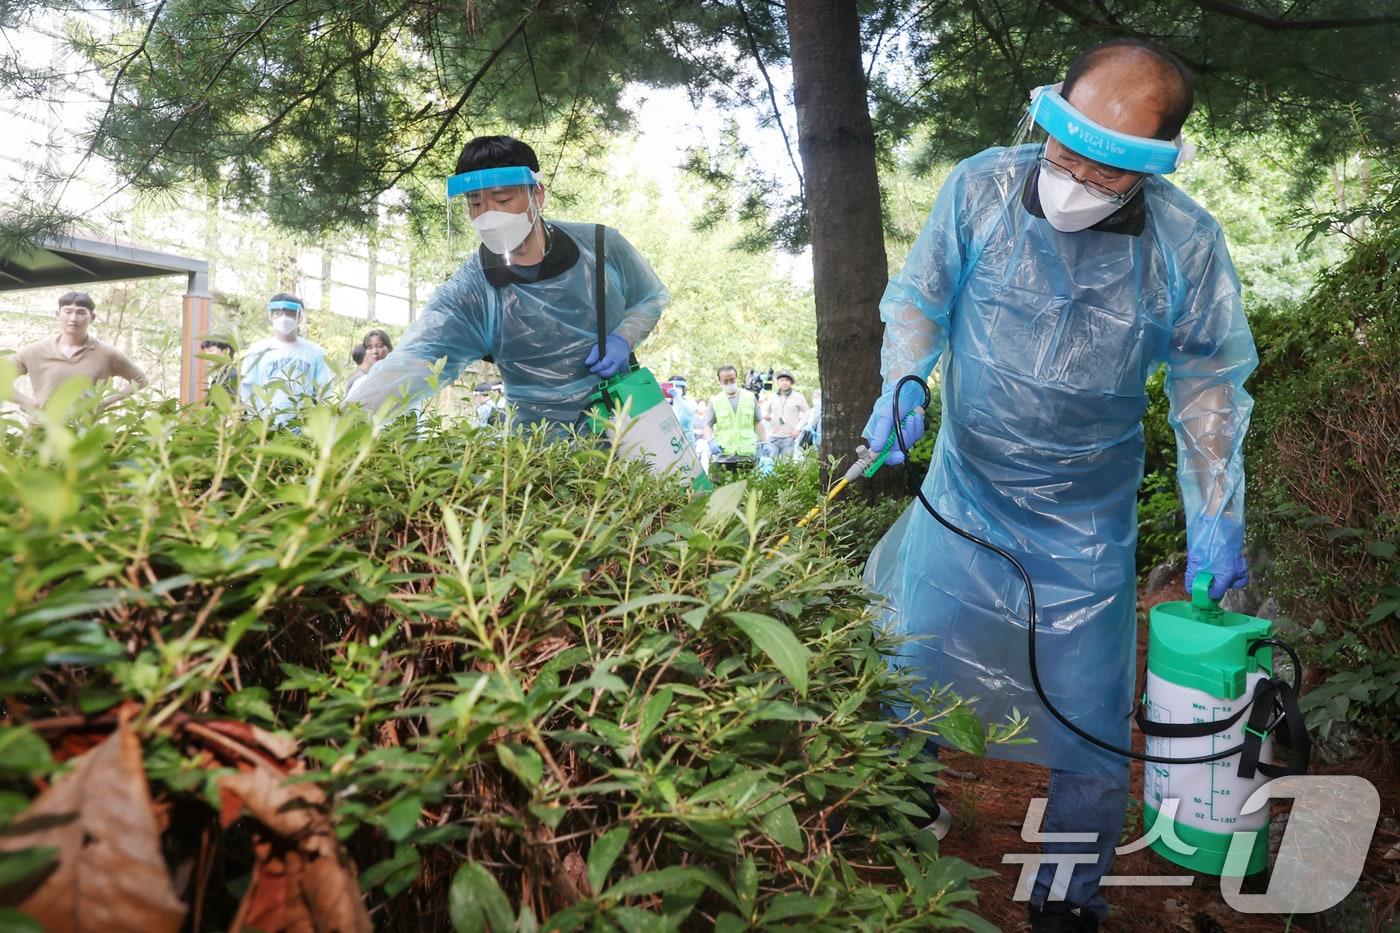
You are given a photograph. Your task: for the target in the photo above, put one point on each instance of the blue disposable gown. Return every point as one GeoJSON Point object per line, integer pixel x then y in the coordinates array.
{"type": "Point", "coordinates": [275, 376]}
{"type": "Point", "coordinates": [1046, 341]}
{"type": "Point", "coordinates": [538, 333]}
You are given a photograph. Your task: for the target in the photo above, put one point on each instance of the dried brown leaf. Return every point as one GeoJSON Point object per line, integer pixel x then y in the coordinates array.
{"type": "Point", "coordinates": [109, 874]}
{"type": "Point", "coordinates": [305, 877]}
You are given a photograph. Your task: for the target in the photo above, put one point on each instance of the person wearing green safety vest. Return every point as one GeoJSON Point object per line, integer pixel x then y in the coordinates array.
{"type": "Point", "coordinates": [734, 416]}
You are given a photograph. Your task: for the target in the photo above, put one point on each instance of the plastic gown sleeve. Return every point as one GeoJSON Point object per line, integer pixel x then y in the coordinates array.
{"type": "Point", "coordinates": [916, 303]}
{"type": "Point", "coordinates": [1211, 355]}
{"type": "Point", "coordinates": [453, 327]}
{"type": "Point", "coordinates": [643, 293]}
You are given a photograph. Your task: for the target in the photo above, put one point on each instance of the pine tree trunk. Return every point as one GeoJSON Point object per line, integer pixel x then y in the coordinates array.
{"type": "Point", "coordinates": [837, 145]}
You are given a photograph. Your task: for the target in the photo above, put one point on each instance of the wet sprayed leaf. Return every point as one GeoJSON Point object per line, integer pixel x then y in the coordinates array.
{"type": "Point", "coordinates": [110, 872]}
{"type": "Point", "coordinates": [603, 854]}
{"type": "Point", "coordinates": [776, 640]}
{"type": "Point", "coordinates": [781, 825]}
{"type": "Point", "coordinates": [476, 902]}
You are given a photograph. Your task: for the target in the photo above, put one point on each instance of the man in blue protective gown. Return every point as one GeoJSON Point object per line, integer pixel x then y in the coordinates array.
{"type": "Point", "coordinates": [1050, 280]}
{"type": "Point", "coordinates": [525, 299]}
{"type": "Point", "coordinates": [280, 374]}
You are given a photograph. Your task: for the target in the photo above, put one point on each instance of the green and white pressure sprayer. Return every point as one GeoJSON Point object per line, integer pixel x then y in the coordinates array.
{"type": "Point", "coordinates": [1206, 669]}
{"type": "Point", "coordinates": [631, 409]}
{"type": "Point", "coordinates": [1209, 711]}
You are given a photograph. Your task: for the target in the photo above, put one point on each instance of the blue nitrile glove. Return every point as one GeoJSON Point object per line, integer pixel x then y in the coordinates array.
{"type": "Point", "coordinates": [1216, 545]}
{"type": "Point", "coordinates": [715, 448]}
{"type": "Point", "coordinates": [613, 361]}
{"type": "Point", "coordinates": [881, 424]}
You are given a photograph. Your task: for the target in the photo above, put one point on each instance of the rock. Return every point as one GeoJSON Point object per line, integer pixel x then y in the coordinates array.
{"type": "Point", "coordinates": [1244, 601]}
{"type": "Point", "coordinates": [1277, 825]}
{"type": "Point", "coordinates": [1162, 574]}
{"type": "Point", "coordinates": [1341, 745]}
{"type": "Point", "coordinates": [1268, 609]}
{"type": "Point", "coordinates": [1353, 913]}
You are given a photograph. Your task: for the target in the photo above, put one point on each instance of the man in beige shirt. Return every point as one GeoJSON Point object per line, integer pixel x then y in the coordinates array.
{"type": "Point", "coordinates": [75, 354]}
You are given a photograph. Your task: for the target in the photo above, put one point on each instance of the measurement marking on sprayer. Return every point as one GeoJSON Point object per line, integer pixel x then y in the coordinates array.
{"type": "Point", "coordinates": [1215, 713]}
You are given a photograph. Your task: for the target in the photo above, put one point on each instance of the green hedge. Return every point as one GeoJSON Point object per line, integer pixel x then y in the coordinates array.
{"type": "Point", "coordinates": [530, 680]}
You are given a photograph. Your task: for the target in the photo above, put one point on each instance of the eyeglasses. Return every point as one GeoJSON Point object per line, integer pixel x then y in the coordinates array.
{"type": "Point", "coordinates": [1100, 191]}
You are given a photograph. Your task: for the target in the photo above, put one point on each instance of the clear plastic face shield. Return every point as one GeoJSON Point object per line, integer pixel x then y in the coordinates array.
{"type": "Point", "coordinates": [286, 317]}
{"type": "Point", "coordinates": [1086, 170]}
{"type": "Point", "coordinates": [500, 209]}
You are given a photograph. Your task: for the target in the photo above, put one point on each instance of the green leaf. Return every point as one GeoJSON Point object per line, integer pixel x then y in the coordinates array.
{"type": "Point", "coordinates": [603, 853]}
{"type": "Point", "coordinates": [963, 730]}
{"type": "Point", "coordinates": [1381, 549]}
{"type": "Point", "coordinates": [1382, 610]}
{"type": "Point", "coordinates": [653, 881]}
{"type": "Point", "coordinates": [653, 712]}
{"type": "Point", "coordinates": [792, 905]}
{"type": "Point", "coordinates": [402, 817]}
{"type": "Point", "coordinates": [522, 761]}
{"type": "Point", "coordinates": [776, 640]}
{"type": "Point", "coordinates": [252, 703]}
{"type": "Point", "coordinates": [18, 865]}
{"type": "Point", "coordinates": [14, 921]}
{"type": "Point", "coordinates": [396, 873]}
{"type": "Point", "coordinates": [723, 504]}
{"type": "Point", "coordinates": [781, 826]}
{"type": "Point", "coordinates": [22, 752]}
{"type": "Point", "coordinates": [476, 902]}
{"type": "Point", "coordinates": [550, 815]}
{"type": "Point", "coordinates": [746, 883]}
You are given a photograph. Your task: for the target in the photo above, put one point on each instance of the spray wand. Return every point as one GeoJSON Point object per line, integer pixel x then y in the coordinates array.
{"type": "Point", "coordinates": [868, 463]}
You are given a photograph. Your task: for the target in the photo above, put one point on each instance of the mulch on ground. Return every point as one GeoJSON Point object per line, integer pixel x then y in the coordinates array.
{"type": "Point", "coordinates": [989, 801]}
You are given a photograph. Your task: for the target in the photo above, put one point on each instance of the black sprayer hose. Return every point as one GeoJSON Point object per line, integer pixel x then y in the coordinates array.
{"type": "Point", "coordinates": [1030, 609]}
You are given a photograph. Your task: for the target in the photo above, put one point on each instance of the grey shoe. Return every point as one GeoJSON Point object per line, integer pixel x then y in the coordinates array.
{"type": "Point", "coordinates": [942, 821]}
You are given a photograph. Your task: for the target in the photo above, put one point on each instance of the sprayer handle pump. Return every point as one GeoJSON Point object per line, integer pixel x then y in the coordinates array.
{"type": "Point", "coordinates": [1200, 593]}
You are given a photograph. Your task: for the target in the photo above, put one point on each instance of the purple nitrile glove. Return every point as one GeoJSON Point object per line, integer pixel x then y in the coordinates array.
{"type": "Point", "coordinates": [613, 361]}
{"type": "Point", "coordinates": [1217, 546]}
{"type": "Point", "coordinates": [881, 424]}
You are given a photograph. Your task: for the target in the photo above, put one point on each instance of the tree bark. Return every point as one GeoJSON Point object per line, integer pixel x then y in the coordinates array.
{"type": "Point", "coordinates": [837, 145]}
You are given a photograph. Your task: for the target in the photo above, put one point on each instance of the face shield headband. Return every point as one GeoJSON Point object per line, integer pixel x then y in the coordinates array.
{"type": "Point", "coordinates": [284, 305]}
{"type": "Point", "coordinates": [1078, 133]}
{"type": "Point", "coordinates": [501, 232]}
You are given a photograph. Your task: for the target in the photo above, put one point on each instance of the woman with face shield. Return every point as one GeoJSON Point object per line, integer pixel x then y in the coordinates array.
{"type": "Point", "coordinates": [1049, 282]}
{"type": "Point", "coordinates": [524, 298]}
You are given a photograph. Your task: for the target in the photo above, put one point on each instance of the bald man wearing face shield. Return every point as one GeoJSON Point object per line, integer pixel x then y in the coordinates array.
{"type": "Point", "coordinates": [1050, 281]}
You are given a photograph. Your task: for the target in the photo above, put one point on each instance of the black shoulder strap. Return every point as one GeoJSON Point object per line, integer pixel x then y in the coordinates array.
{"type": "Point", "coordinates": [600, 288]}
{"type": "Point", "coordinates": [1191, 730]}
{"type": "Point", "coordinates": [1299, 744]}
